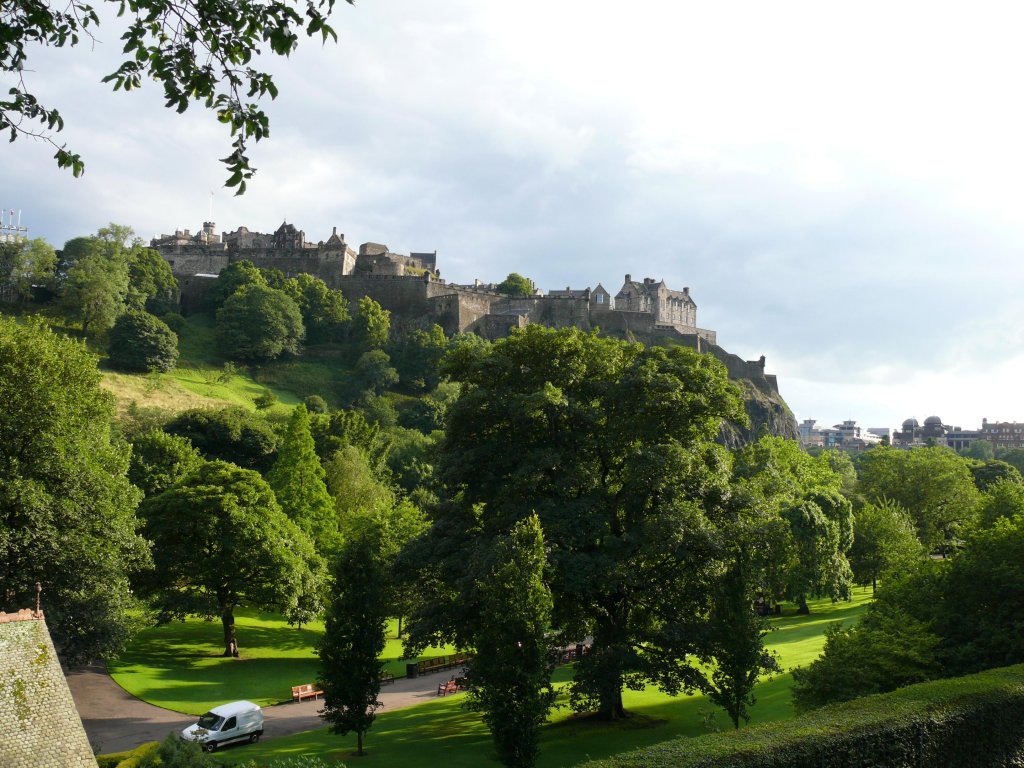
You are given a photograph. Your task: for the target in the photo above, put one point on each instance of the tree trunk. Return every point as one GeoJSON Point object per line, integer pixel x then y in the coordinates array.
{"type": "Point", "coordinates": [802, 607]}
{"type": "Point", "coordinates": [359, 744]}
{"type": "Point", "coordinates": [227, 619]}
{"type": "Point", "coordinates": [399, 626]}
{"type": "Point", "coordinates": [874, 585]}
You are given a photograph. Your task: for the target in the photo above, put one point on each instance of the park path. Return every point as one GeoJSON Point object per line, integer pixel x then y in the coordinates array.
{"type": "Point", "coordinates": [115, 720]}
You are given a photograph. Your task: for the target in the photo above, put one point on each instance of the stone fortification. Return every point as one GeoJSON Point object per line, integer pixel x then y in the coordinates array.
{"type": "Point", "coordinates": [411, 288]}
{"type": "Point", "coordinates": [207, 253]}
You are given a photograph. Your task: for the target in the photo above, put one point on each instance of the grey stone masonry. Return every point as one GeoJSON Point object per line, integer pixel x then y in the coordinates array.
{"type": "Point", "coordinates": [39, 725]}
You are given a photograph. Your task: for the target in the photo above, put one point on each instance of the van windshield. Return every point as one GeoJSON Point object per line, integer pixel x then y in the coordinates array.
{"type": "Point", "coordinates": [210, 721]}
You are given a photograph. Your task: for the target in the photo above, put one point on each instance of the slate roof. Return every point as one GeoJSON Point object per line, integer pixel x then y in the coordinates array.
{"type": "Point", "coordinates": [39, 725]}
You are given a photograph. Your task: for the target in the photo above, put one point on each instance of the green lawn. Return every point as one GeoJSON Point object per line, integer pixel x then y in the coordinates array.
{"type": "Point", "coordinates": [178, 666]}
{"type": "Point", "coordinates": [443, 733]}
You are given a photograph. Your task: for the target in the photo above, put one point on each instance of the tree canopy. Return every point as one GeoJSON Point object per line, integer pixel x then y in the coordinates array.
{"type": "Point", "coordinates": [141, 343]}
{"type": "Point", "coordinates": [516, 285]}
{"type": "Point", "coordinates": [198, 52]}
{"type": "Point", "coordinates": [220, 539]}
{"type": "Point", "coordinates": [611, 445]}
{"type": "Point", "coordinates": [258, 323]}
{"type": "Point", "coordinates": [934, 485]}
{"type": "Point", "coordinates": [67, 510]}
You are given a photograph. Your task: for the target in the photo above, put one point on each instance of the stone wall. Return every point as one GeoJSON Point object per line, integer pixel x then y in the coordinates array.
{"type": "Point", "coordinates": [39, 725]}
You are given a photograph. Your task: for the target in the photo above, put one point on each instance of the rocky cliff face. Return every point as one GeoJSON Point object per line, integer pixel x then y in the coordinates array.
{"type": "Point", "coordinates": [767, 411]}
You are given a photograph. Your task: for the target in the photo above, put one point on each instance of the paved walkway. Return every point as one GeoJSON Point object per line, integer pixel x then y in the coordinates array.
{"type": "Point", "coordinates": [115, 720]}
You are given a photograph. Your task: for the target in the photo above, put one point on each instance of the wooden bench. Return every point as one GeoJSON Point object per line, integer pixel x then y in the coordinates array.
{"type": "Point", "coordinates": [307, 691]}
{"type": "Point", "coordinates": [386, 677]}
{"type": "Point", "coordinates": [445, 688]}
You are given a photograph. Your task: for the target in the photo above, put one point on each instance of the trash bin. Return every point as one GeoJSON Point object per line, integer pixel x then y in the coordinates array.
{"type": "Point", "coordinates": [411, 671]}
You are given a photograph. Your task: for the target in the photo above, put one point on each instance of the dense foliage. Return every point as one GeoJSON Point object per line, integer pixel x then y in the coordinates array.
{"type": "Point", "coordinates": [610, 444]}
{"type": "Point", "coordinates": [354, 636]}
{"type": "Point", "coordinates": [510, 678]}
{"type": "Point", "coordinates": [142, 343]}
{"type": "Point", "coordinates": [66, 506]}
{"type": "Point", "coordinates": [258, 323]}
{"type": "Point", "coordinates": [220, 539]}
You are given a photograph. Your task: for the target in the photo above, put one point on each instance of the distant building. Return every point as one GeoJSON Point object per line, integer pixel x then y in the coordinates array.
{"type": "Point", "coordinates": [846, 436]}
{"type": "Point", "coordinates": [1002, 434]}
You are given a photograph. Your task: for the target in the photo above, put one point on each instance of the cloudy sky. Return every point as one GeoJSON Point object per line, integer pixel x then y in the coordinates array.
{"type": "Point", "coordinates": [839, 184]}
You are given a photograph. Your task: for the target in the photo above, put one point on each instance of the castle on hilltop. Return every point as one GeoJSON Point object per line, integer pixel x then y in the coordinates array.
{"type": "Point", "coordinates": [411, 288]}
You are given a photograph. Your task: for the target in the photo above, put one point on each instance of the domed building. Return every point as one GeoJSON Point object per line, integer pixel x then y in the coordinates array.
{"type": "Point", "coordinates": [912, 433]}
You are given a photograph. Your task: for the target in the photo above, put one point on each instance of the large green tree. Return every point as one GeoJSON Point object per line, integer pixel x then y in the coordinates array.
{"type": "Point", "coordinates": [258, 323]}
{"type": "Point", "coordinates": [297, 478]}
{"type": "Point", "coordinates": [159, 460]}
{"type": "Point", "coordinates": [67, 510]}
{"type": "Point", "coordinates": [371, 325]}
{"type": "Point", "coordinates": [354, 637]}
{"type": "Point", "coordinates": [884, 537]}
{"type": "Point", "coordinates": [198, 52]}
{"type": "Point", "coordinates": [737, 653]}
{"type": "Point", "coordinates": [510, 678]}
{"type": "Point", "coordinates": [808, 523]}
{"type": "Point", "coordinates": [934, 485]}
{"type": "Point", "coordinates": [611, 445]}
{"type": "Point", "coordinates": [324, 311]}
{"type": "Point", "coordinates": [234, 276]}
{"type": "Point", "coordinates": [25, 263]}
{"type": "Point", "coordinates": [94, 290]}
{"type": "Point", "coordinates": [151, 285]}
{"type": "Point", "coordinates": [220, 541]}
{"type": "Point", "coordinates": [230, 434]}
{"type": "Point", "coordinates": [142, 343]}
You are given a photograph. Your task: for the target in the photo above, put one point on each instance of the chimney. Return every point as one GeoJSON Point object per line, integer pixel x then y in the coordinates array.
{"type": "Point", "coordinates": [686, 290]}
{"type": "Point", "coordinates": [627, 278]}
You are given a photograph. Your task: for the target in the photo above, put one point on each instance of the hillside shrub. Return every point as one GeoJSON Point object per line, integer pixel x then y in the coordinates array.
{"type": "Point", "coordinates": [969, 722]}
{"type": "Point", "coordinates": [141, 343]}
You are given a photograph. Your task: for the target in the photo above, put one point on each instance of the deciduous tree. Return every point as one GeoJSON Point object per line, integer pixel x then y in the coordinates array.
{"type": "Point", "coordinates": [67, 510]}
{"type": "Point", "coordinates": [159, 460]}
{"type": "Point", "coordinates": [141, 343]}
{"type": "Point", "coordinates": [371, 325]}
{"type": "Point", "coordinates": [737, 633]}
{"type": "Point", "coordinates": [516, 285]}
{"type": "Point", "coordinates": [611, 445]}
{"type": "Point", "coordinates": [258, 324]}
{"type": "Point", "coordinates": [95, 289]}
{"type": "Point", "coordinates": [883, 538]}
{"type": "Point", "coordinates": [231, 434]}
{"type": "Point", "coordinates": [219, 541]}
{"type": "Point", "coordinates": [26, 263]}
{"type": "Point", "coordinates": [151, 285]}
{"type": "Point", "coordinates": [934, 485]}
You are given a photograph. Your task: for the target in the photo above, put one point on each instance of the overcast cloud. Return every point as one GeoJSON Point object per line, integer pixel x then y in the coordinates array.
{"type": "Point", "coordinates": [838, 184]}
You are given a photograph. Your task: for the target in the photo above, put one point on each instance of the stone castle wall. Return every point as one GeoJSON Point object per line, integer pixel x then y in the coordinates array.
{"type": "Point", "coordinates": [646, 310]}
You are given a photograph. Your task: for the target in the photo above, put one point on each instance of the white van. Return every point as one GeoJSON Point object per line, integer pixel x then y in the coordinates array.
{"type": "Point", "coordinates": [228, 722]}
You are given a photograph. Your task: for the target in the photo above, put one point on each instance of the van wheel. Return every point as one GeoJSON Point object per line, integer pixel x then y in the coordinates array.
{"type": "Point", "coordinates": [210, 746]}
{"type": "Point", "coordinates": [254, 737]}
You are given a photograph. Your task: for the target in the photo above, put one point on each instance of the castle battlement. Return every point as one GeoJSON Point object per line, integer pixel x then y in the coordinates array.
{"type": "Point", "coordinates": [411, 287]}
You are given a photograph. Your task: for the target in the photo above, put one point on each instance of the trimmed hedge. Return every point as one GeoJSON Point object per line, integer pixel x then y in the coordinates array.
{"type": "Point", "coordinates": [970, 722]}
{"type": "Point", "coordinates": [127, 759]}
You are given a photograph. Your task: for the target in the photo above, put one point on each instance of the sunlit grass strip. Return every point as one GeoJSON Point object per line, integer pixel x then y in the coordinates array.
{"type": "Point", "coordinates": [179, 665]}
{"type": "Point", "coordinates": [443, 733]}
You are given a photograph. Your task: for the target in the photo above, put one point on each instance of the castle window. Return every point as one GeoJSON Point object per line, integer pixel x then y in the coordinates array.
{"type": "Point", "coordinates": [600, 298]}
